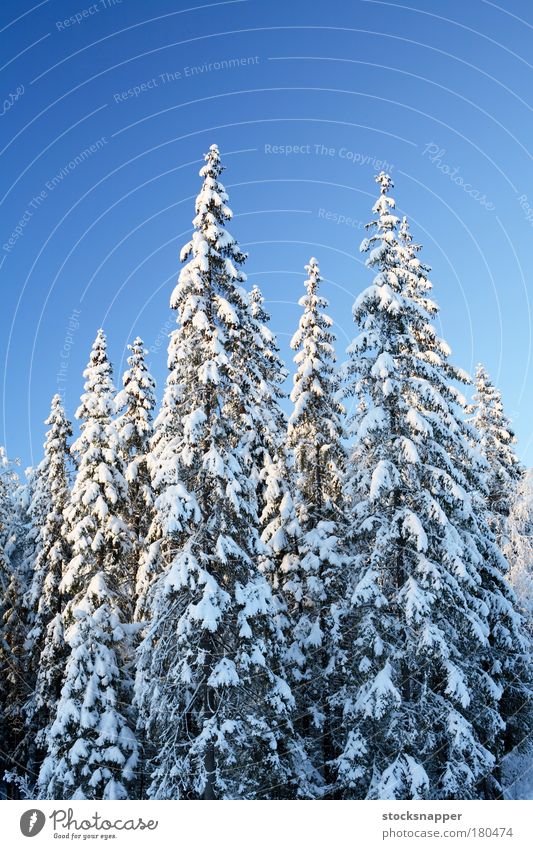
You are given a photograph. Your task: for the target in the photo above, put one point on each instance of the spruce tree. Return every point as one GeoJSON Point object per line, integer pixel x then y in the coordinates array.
{"type": "Point", "coordinates": [5, 532]}
{"type": "Point", "coordinates": [18, 680]}
{"type": "Point", "coordinates": [91, 749]}
{"type": "Point", "coordinates": [271, 463]}
{"type": "Point", "coordinates": [45, 645]}
{"type": "Point", "coordinates": [519, 548]}
{"type": "Point", "coordinates": [421, 691]}
{"type": "Point", "coordinates": [12, 589]}
{"type": "Point", "coordinates": [209, 684]}
{"type": "Point", "coordinates": [315, 435]}
{"type": "Point", "coordinates": [497, 442]}
{"type": "Point", "coordinates": [136, 402]}
{"type": "Point", "coordinates": [504, 663]}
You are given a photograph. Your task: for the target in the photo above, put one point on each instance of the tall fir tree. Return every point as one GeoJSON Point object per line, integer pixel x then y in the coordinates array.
{"type": "Point", "coordinates": [508, 660]}
{"type": "Point", "coordinates": [506, 678]}
{"type": "Point", "coordinates": [497, 442]}
{"type": "Point", "coordinates": [46, 649]}
{"type": "Point", "coordinates": [271, 463]}
{"type": "Point", "coordinates": [315, 594]}
{"type": "Point", "coordinates": [92, 752]}
{"type": "Point", "coordinates": [9, 488]}
{"type": "Point", "coordinates": [18, 680]}
{"type": "Point", "coordinates": [519, 548]}
{"type": "Point", "coordinates": [134, 428]}
{"type": "Point", "coordinates": [209, 684]}
{"type": "Point", "coordinates": [422, 691]}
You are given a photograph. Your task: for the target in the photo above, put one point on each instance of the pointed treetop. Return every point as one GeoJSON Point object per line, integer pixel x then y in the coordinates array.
{"type": "Point", "coordinates": [386, 221]}
{"type": "Point", "coordinates": [311, 284]}
{"type": "Point", "coordinates": [98, 350]}
{"type": "Point", "coordinates": [57, 419]}
{"type": "Point", "coordinates": [96, 400]}
{"type": "Point", "coordinates": [101, 339]}
{"type": "Point", "coordinates": [57, 411]}
{"type": "Point", "coordinates": [385, 182]}
{"type": "Point", "coordinates": [211, 249]}
{"type": "Point", "coordinates": [213, 167]}
{"type": "Point", "coordinates": [136, 359]}
{"type": "Point", "coordinates": [136, 379]}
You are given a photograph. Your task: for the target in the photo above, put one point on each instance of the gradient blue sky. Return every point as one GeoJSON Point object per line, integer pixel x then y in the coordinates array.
{"type": "Point", "coordinates": [438, 90]}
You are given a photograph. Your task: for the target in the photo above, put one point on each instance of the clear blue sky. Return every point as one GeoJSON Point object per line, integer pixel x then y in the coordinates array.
{"type": "Point", "coordinates": [441, 91]}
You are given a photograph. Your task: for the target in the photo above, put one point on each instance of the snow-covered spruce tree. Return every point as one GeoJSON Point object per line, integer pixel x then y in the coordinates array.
{"type": "Point", "coordinates": [209, 682]}
{"type": "Point", "coordinates": [92, 752]}
{"type": "Point", "coordinates": [134, 428]}
{"type": "Point", "coordinates": [271, 463]}
{"type": "Point", "coordinates": [6, 513]}
{"type": "Point", "coordinates": [9, 488]}
{"type": "Point", "coordinates": [8, 485]}
{"type": "Point", "coordinates": [136, 401]}
{"type": "Point", "coordinates": [507, 683]}
{"type": "Point", "coordinates": [508, 658]}
{"type": "Point", "coordinates": [16, 623]}
{"type": "Point", "coordinates": [497, 442]}
{"type": "Point", "coordinates": [46, 649]}
{"type": "Point", "coordinates": [421, 691]}
{"type": "Point", "coordinates": [519, 548]}
{"type": "Point", "coordinates": [315, 426]}
{"type": "Point", "coordinates": [315, 435]}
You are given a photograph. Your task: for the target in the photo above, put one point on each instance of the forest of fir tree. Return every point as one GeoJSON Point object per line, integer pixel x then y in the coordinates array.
{"type": "Point", "coordinates": [208, 599]}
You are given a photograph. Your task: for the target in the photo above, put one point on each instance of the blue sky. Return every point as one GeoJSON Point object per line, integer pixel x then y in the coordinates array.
{"type": "Point", "coordinates": [107, 110]}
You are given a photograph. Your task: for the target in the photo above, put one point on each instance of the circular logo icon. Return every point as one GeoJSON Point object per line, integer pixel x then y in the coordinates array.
{"type": "Point", "coordinates": [32, 822]}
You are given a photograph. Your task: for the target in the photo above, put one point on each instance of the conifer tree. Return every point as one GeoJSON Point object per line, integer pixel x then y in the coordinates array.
{"type": "Point", "coordinates": [497, 442]}
{"type": "Point", "coordinates": [136, 401]}
{"type": "Point", "coordinates": [315, 425]}
{"type": "Point", "coordinates": [315, 435]}
{"type": "Point", "coordinates": [91, 749]}
{"type": "Point", "coordinates": [209, 684]}
{"type": "Point", "coordinates": [421, 691]}
{"type": "Point", "coordinates": [508, 660]}
{"type": "Point", "coordinates": [46, 650]}
{"type": "Point", "coordinates": [5, 533]}
{"type": "Point", "coordinates": [271, 462]}
{"type": "Point", "coordinates": [18, 680]}
{"type": "Point", "coordinates": [504, 663]}
{"type": "Point", "coordinates": [11, 591]}
{"type": "Point", "coordinates": [519, 548]}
